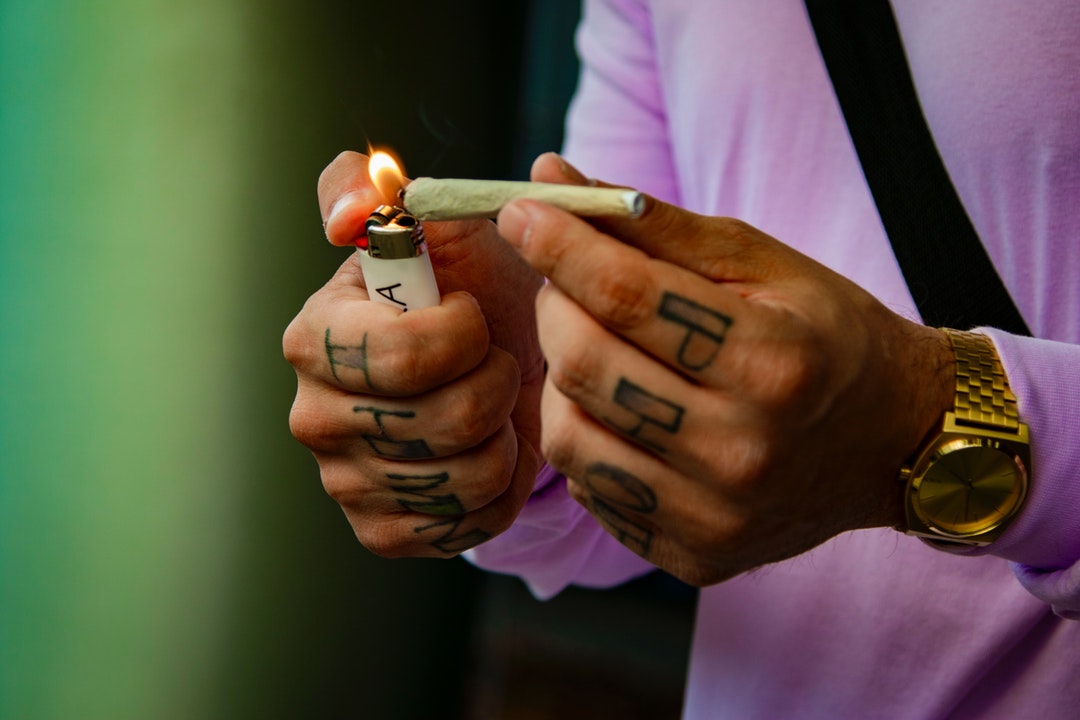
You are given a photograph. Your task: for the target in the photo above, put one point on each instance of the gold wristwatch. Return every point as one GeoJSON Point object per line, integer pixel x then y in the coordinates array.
{"type": "Point", "coordinates": [970, 477]}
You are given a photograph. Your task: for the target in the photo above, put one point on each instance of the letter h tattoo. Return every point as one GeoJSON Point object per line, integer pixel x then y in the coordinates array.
{"type": "Point", "coordinates": [391, 447]}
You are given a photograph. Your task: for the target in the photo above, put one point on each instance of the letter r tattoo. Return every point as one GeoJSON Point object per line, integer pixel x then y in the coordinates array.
{"type": "Point", "coordinates": [652, 412]}
{"type": "Point", "coordinates": [706, 329]}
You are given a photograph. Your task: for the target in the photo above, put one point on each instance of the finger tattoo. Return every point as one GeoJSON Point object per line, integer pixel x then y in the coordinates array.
{"type": "Point", "coordinates": [613, 490]}
{"type": "Point", "coordinates": [631, 534]}
{"type": "Point", "coordinates": [705, 330]}
{"type": "Point", "coordinates": [421, 494]}
{"type": "Point", "coordinates": [451, 541]}
{"type": "Point", "coordinates": [620, 487]}
{"type": "Point", "coordinates": [391, 447]}
{"type": "Point", "coordinates": [350, 356]}
{"type": "Point", "coordinates": [654, 415]}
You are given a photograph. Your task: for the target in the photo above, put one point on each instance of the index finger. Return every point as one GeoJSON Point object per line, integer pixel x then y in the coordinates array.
{"type": "Point", "coordinates": [729, 251]}
{"type": "Point", "coordinates": [672, 313]}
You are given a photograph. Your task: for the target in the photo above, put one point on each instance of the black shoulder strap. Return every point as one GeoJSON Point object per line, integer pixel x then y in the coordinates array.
{"type": "Point", "coordinates": [946, 267]}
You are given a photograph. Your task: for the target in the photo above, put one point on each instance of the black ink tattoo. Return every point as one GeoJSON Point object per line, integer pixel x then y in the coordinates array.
{"type": "Point", "coordinates": [705, 327]}
{"type": "Point", "coordinates": [450, 542]}
{"type": "Point", "coordinates": [390, 447]}
{"type": "Point", "coordinates": [620, 487]}
{"type": "Point", "coordinates": [631, 534]}
{"type": "Point", "coordinates": [422, 496]}
{"type": "Point", "coordinates": [652, 412]}
{"type": "Point", "coordinates": [350, 356]}
{"type": "Point", "coordinates": [614, 489]}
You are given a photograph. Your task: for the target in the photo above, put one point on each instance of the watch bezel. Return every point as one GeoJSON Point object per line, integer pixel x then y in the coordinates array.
{"type": "Point", "coordinates": [953, 438]}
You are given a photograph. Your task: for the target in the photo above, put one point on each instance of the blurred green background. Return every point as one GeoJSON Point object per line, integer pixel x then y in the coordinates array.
{"type": "Point", "coordinates": [166, 548]}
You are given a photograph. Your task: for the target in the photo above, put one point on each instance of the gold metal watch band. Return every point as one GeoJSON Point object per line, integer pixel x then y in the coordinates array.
{"type": "Point", "coordinates": [983, 397]}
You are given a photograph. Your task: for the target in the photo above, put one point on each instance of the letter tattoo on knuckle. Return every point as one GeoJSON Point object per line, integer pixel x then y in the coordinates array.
{"type": "Point", "coordinates": [387, 446]}
{"type": "Point", "coordinates": [613, 490]}
{"type": "Point", "coordinates": [452, 541]}
{"type": "Point", "coordinates": [654, 415]}
{"type": "Point", "coordinates": [354, 357]}
{"type": "Point", "coordinates": [705, 330]}
{"type": "Point", "coordinates": [420, 494]}
{"type": "Point", "coordinates": [620, 487]}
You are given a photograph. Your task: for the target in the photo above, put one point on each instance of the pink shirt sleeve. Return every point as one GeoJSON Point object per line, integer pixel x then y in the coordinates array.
{"type": "Point", "coordinates": [1044, 541]}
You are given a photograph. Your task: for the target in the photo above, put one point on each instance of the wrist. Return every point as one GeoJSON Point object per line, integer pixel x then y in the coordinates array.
{"type": "Point", "coordinates": [930, 388]}
{"type": "Point", "coordinates": [970, 476]}
{"type": "Point", "coordinates": [938, 390]}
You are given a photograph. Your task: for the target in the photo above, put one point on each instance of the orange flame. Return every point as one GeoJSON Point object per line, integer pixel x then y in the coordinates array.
{"type": "Point", "coordinates": [386, 175]}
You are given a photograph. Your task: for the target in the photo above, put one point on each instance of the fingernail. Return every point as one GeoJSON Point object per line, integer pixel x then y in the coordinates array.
{"type": "Point", "coordinates": [342, 204]}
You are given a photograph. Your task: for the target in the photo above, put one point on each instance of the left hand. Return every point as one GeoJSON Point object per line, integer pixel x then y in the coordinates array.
{"type": "Point", "coordinates": [716, 399]}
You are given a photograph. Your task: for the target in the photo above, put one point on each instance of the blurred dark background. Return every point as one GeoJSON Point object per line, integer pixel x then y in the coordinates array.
{"type": "Point", "coordinates": [168, 550]}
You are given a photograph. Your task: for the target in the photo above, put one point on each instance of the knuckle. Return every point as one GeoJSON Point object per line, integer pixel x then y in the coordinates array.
{"type": "Point", "coordinates": [403, 365]}
{"type": "Point", "coordinates": [742, 237]}
{"type": "Point", "coordinates": [295, 344]}
{"type": "Point", "coordinates": [573, 372]}
{"type": "Point", "coordinates": [484, 488]}
{"type": "Point", "coordinates": [726, 537]}
{"type": "Point", "coordinates": [747, 461]}
{"type": "Point", "coordinates": [486, 477]}
{"type": "Point", "coordinates": [796, 374]}
{"type": "Point", "coordinates": [622, 297]}
{"type": "Point", "coordinates": [738, 250]}
{"type": "Point", "coordinates": [793, 371]}
{"type": "Point", "coordinates": [314, 425]}
{"type": "Point", "coordinates": [479, 405]}
{"type": "Point", "coordinates": [467, 430]}
{"type": "Point", "coordinates": [384, 539]}
{"type": "Point", "coordinates": [343, 484]}
{"type": "Point", "coordinates": [500, 519]}
{"type": "Point", "coordinates": [500, 461]}
{"type": "Point", "coordinates": [409, 361]}
{"type": "Point", "coordinates": [752, 456]}
{"type": "Point", "coordinates": [471, 416]}
{"type": "Point", "coordinates": [559, 447]}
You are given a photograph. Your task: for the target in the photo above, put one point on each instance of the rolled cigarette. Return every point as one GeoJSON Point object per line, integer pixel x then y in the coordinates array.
{"type": "Point", "coordinates": [457, 199]}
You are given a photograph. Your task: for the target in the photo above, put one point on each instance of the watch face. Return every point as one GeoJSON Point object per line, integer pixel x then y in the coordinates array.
{"type": "Point", "coordinates": [971, 486]}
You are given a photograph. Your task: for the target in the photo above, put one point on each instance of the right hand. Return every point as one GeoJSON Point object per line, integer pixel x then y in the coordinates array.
{"type": "Point", "coordinates": [425, 424]}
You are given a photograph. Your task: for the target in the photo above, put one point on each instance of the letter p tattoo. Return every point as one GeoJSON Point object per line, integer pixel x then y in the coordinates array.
{"type": "Point", "coordinates": [706, 329]}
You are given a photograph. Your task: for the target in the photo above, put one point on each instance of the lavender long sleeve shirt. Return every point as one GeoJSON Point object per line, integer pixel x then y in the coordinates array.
{"type": "Point", "coordinates": [724, 107]}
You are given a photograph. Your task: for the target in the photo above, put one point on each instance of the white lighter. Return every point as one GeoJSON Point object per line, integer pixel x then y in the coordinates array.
{"type": "Point", "coordinates": [396, 265]}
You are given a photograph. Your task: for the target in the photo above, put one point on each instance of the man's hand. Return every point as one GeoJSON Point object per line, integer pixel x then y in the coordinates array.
{"type": "Point", "coordinates": [425, 424]}
{"type": "Point", "coordinates": [719, 400]}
